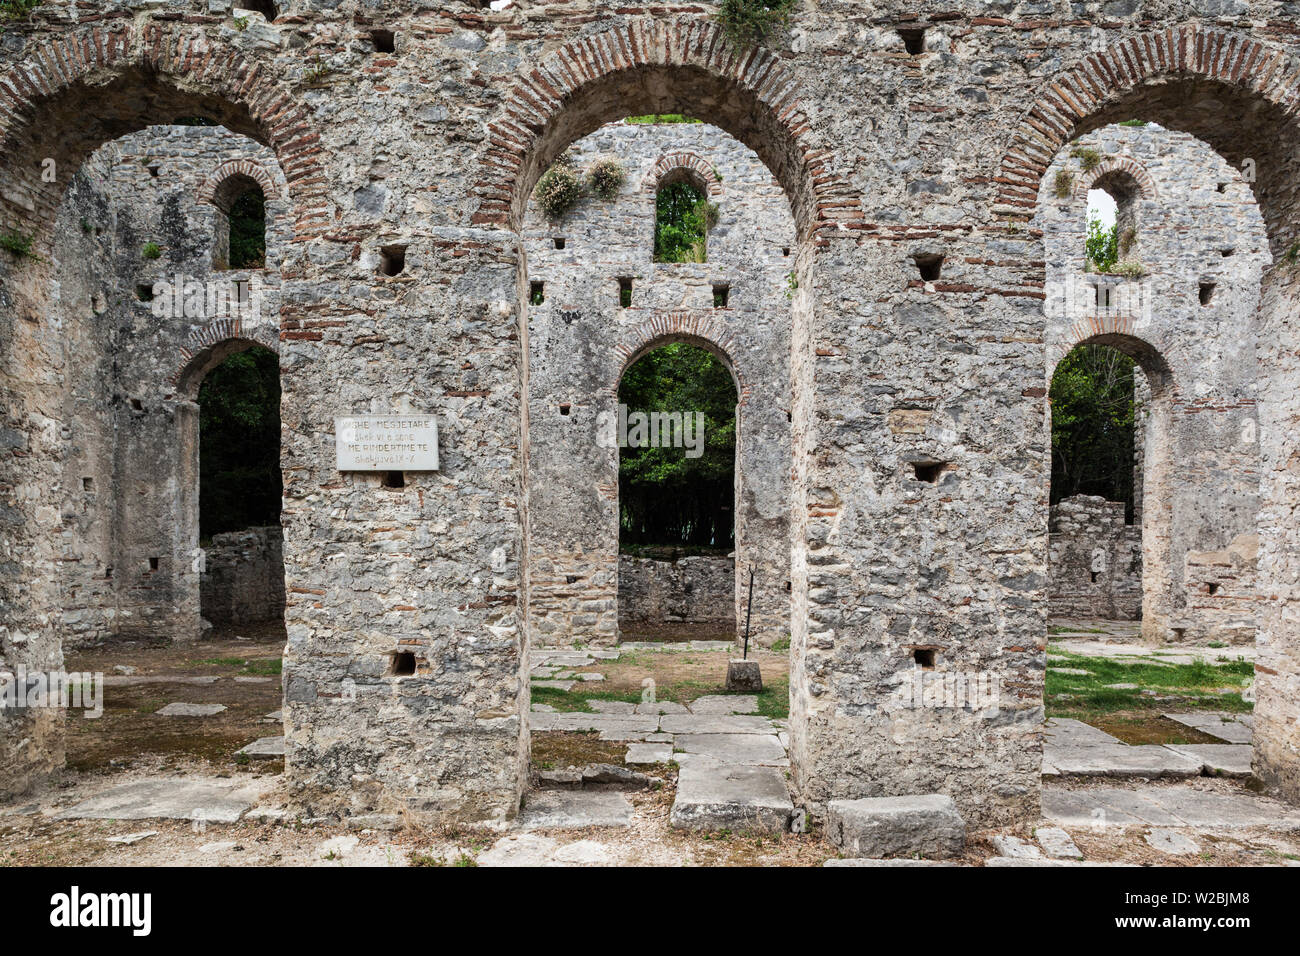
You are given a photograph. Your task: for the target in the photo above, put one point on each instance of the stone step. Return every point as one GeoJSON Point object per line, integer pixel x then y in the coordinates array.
{"type": "Point", "coordinates": [574, 810]}
{"type": "Point", "coordinates": [712, 795]}
{"type": "Point", "coordinates": [926, 825]}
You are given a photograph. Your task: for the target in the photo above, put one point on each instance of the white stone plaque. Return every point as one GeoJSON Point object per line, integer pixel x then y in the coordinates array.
{"type": "Point", "coordinates": [386, 443]}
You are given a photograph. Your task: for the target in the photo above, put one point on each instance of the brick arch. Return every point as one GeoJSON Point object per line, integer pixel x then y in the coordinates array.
{"type": "Point", "coordinates": [209, 345]}
{"type": "Point", "coordinates": [105, 74]}
{"type": "Point", "coordinates": [695, 328]}
{"type": "Point", "coordinates": [1115, 331]}
{"type": "Point", "coordinates": [1122, 165]}
{"type": "Point", "coordinates": [1094, 92]}
{"type": "Point", "coordinates": [212, 190]}
{"type": "Point", "coordinates": [652, 65]}
{"type": "Point", "coordinates": [682, 164]}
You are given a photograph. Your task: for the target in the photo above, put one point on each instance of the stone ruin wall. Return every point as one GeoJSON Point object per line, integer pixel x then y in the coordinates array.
{"type": "Point", "coordinates": [130, 563]}
{"type": "Point", "coordinates": [697, 589]}
{"type": "Point", "coordinates": [581, 340]}
{"type": "Point", "coordinates": [1094, 561]}
{"type": "Point", "coordinates": [1197, 223]}
{"type": "Point", "coordinates": [918, 415]}
{"type": "Point", "coordinates": [243, 579]}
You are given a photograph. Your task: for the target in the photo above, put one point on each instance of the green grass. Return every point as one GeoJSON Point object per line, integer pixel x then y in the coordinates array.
{"type": "Point", "coordinates": [1196, 684]}
{"type": "Point", "coordinates": [773, 701]}
{"type": "Point", "coordinates": [575, 701]}
{"type": "Point", "coordinates": [266, 667]}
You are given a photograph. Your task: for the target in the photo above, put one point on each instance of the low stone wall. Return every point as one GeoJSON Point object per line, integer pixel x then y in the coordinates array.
{"type": "Point", "coordinates": [243, 582]}
{"type": "Point", "coordinates": [1094, 561]}
{"type": "Point", "coordinates": [692, 590]}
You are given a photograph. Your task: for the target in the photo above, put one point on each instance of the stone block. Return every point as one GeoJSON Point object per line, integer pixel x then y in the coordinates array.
{"type": "Point", "coordinates": [925, 825]}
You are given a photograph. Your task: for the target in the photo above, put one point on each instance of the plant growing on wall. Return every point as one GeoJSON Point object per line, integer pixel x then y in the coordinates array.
{"type": "Point", "coordinates": [151, 250]}
{"type": "Point", "coordinates": [558, 190]}
{"type": "Point", "coordinates": [17, 9]}
{"type": "Point", "coordinates": [17, 243]}
{"type": "Point", "coordinates": [1063, 184]}
{"type": "Point", "coordinates": [605, 178]}
{"type": "Point", "coordinates": [750, 22]}
{"type": "Point", "coordinates": [1088, 158]}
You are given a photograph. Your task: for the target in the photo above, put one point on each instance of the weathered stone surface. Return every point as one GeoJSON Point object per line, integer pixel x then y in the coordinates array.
{"type": "Point", "coordinates": [1171, 806]}
{"type": "Point", "coordinates": [616, 777]}
{"type": "Point", "coordinates": [1228, 760]}
{"type": "Point", "coordinates": [754, 749]}
{"type": "Point", "coordinates": [1227, 727]}
{"type": "Point", "coordinates": [575, 809]}
{"type": "Point", "coordinates": [1057, 844]}
{"type": "Point", "coordinates": [1172, 842]}
{"type": "Point", "coordinates": [926, 825]}
{"type": "Point", "coordinates": [744, 676]}
{"type": "Point", "coordinates": [165, 798]}
{"type": "Point", "coordinates": [648, 753]}
{"type": "Point", "coordinates": [1120, 760]}
{"type": "Point", "coordinates": [891, 862]}
{"type": "Point", "coordinates": [190, 710]}
{"type": "Point", "coordinates": [1011, 846]}
{"type": "Point", "coordinates": [264, 748]}
{"type": "Point", "coordinates": [714, 724]}
{"type": "Point", "coordinates": [725, 704]}
{"type": "Point", "coordinates": [720, 796]}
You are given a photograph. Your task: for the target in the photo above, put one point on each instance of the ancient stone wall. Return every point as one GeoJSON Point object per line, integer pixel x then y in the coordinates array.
{"type": "Point", "coordinates": [243, 580]}
{"type": "Point", "coordinates": [139, 247]}
{"type": "Point", "coordinates": [1094, 560]}
{"type": "Point", "coordinates": [696, 589]}
{"type": "Point", "coordinates": [1191, 222]}
{"type": "Point", "coordinates": [918, 414]}
{"type": "Point", "coordinates": [582, 339]}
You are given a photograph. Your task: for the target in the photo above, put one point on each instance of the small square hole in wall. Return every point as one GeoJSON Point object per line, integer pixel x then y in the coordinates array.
{"type": "Point", "coordinates": [924, 657]}
{"type": "Point", "coordinates": [401, 664]}
{"type": "Point", "coordinates": [721, 295]}
{"type": "Point", "coordinates": [929, 266]}
{"type": "Point", "coordinates": [558, 242]}
{"type": "Point", "coordinates": [144, 292]}
{"type": "Point", "coordinates": [570, 579]}
{"type": "Point", "coordinates": [787, 585]}
{"type": "Point", "coordinates": [536, 293]}
{"type": "Point", "coordinates": [1222, 187]}
{"type": "Point", "coordinates": [137, 405]}
{"type": "Point", "coordinates": [1207, 292]}
{"type": "Point", "coordinates": [153, 564]}
{"type": "Point", "coordinates": [108, 571]}
{"type": "Point", "coordinates": [928, 471]}
{"type": "Point", "coordinates": [625, 291]}
{"type": "Point", "coordinates": [153, 171]}
{"type": "Point", "coordinates": [87, 484]}
{"type": "Point", "coordinates": [385, 41]}
{"type": "Point", "coordinates": [392, 260]}
{"type": "Point", "coordinates": [1212, 588]}
{"type": "Point", "coordinates": [1093, 576]}
{"type": "Point", "coordinates": [913, 40]}
{"type": "Point", "coordinates": [785, 252]}
{"type": "Point", "coordinates": [394, 479]}
{"type": "Point", "coordinates": [565, 408]}
{"type": "Point", "coordinates": [1226, 252]}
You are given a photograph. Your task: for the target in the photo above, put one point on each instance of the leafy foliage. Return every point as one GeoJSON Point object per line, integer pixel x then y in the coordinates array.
{"type": "Point", "coordinates": [1102, 244]}
{"type": "Point", "coordinates": [239, 443]}
{"type": "Point", "coordinates": [17, 9]}
{"type": "Point", "coordinates": [749, 22]}
{"type": "Point", "coordinates": [248, 231]}
{"type": "Point", "coordinates": [666, 498]}
{"type": "Point", "coordinates": [17, 243]}
{"type": "Point", "coordinates": [151, 250]}
{"type": "Point", "coordinates": [1092, 425]}
{"type": "Point", "coordinates": [651, 118]}
{"type": "Point", "coordinates": [683, 215]}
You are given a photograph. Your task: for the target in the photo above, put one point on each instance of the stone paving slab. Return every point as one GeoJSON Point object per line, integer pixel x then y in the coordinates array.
{"type": "Point", "coordinates": [1057, 844]}
{"type": "Point", "coordinates": [1232, 730]}
{"type": "Point", "coordinates": [753, 749]}
{"type": "Point", "coordinates": [725, 704]}
{"type": "Point", "coordinates": [565, 685]}
{"type": "Point", "coordinates": [1176, 806]}
{"type": "Point", "coordinates": [925, 825]}
{"type": "Point", "coordinates": [1066, 730]}
{"type": "Point", "coordinates": [179, 709]}
{"type": "Point", "coordinates": [1119, 760]}
{"type": "Point", "coordinates": [648, 753]}
{"type": "Point", "coordinates": [115, 680]}
{"type": "Point", "coordinates": [719, 796]}
{"type": "Point", "coordinates": [714, 724]}
{"type": "Point", "coordinates": [1228, 760]}
{"type": "Point", "coordinates": [168, 798]}
{"type": "Point", "coordinates": [264, 748]}
{"type": "Point", "coordinates": [663, 707]}
{"type": "Point", "coordinates": [575, 809]}
{"type": "Point", "coordinates": [612, 707]}
{"type": "Point", "coordinates": [863, 861]}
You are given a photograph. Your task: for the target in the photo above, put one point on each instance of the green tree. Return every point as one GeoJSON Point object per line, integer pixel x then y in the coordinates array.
{"type": "Point", "coordinates": [665, 497]}
{"type": "Point", "coordinates": [1093, 425]}
{"type": "Point", "coordinates": [683, 215]}
{"type": "Point", "coordinates": [248, 231]}
{"type": "Point", "coordinates": [239, 443]}
{"type": "Point", "coordinates": [1103, 244]}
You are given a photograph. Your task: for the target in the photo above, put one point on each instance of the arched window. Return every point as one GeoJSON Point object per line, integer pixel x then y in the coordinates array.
{"type": "Point", "coordinates": [683, 217]}
{"type": "Point", "coordinates": [240, 242]}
